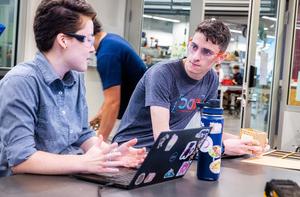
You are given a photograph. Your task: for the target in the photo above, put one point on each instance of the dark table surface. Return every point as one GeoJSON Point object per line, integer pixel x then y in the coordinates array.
{"type": "Point", "coordinates": [237, 179]}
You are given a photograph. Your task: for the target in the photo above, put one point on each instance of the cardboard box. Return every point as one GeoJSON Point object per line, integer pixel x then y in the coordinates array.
{"type": "Point", "coordinates": [249, 133]}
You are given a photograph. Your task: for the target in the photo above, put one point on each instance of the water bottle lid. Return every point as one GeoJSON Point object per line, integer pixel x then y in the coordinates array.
{"type": "Point", "coordinates": [213, 111]}
{"type": "Point", "coordinates": [215, 103]}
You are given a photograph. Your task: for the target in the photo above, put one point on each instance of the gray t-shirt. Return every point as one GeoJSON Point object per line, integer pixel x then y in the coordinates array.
{"type": "Point", "coordinates": [165, 84]}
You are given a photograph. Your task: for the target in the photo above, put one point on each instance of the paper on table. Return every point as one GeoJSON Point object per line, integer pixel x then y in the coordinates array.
{"type": "Point", "coordinates": [281, 162]}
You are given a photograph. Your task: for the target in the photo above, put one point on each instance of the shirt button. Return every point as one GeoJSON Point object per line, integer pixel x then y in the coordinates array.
{"type": "Point", "coordinates": [71, 131]}
{"type": "Point", "coordinates": [63, 112]}
{"type": "Point", "coordinates": [60, 92]}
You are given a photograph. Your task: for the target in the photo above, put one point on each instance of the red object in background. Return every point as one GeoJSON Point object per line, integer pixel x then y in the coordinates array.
{"type": "Point", "coordinates": [227, 82]}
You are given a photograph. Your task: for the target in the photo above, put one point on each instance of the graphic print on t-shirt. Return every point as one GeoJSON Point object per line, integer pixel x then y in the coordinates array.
{"type": "Point", "coordinates": [184, 104]}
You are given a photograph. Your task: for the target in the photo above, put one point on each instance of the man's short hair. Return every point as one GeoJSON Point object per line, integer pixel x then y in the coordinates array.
{"type": "Point", "coordinates": [236, 67]}
{"type": "Point", "coordinates": [97, 26]}
{"type": "Point", "coordinates": [216, 32]}
{"type": "Point", "coordinates": [59, 16]}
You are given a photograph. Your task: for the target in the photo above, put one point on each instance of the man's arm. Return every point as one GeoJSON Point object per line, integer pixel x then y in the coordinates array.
{"type": "Point", "coordinates": [109, 110]}
{"type": "Point", "coordinates": [236, 146]}
{"type": "Point", "coordinates": [160, 118]}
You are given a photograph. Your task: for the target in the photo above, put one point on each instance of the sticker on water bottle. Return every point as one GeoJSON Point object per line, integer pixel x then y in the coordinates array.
{"type": "Point", "coordinates": [215, 151]}
{"type": "Point", "coordinates": [215, 166]}
{"type": "Point", "coordinates": [207, 145]}
{"type": "Point", "coordinates": [216, 127]}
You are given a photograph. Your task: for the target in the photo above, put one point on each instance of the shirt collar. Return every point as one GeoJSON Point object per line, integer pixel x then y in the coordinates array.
{"type": "Point", "coordinates": [49, 74]}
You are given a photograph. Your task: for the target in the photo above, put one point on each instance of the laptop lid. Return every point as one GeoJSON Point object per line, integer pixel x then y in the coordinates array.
{"type": "Point", "coordinates": [169, 158]}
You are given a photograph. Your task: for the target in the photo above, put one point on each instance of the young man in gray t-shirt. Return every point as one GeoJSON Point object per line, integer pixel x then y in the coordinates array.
{"type": "Point", "coordinates": [165, 98]}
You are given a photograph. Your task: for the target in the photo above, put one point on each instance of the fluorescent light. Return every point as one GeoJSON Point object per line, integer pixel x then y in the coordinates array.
{"type": "Point", "coordinates": [266, 28]}
{"type": "Point", "coordinates": [161, 18]}
{"type": "Point", "coordinates": [269, 18]}
{"type": "Point", "coordinates": [147, 16]}
{"type": "Point", "coordinates": [236, 31]}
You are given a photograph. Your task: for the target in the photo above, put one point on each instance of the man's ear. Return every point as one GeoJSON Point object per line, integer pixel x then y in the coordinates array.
{"type": "Point", "coordinates": [61, 40]}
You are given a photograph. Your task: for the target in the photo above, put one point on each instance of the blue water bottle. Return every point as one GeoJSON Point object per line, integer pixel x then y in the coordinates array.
{"type": "Point", "coordinates": [209, 156]}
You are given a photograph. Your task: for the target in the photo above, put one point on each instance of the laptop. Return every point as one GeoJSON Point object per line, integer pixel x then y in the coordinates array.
{"type": "Point", "coordinates": [169, 158]}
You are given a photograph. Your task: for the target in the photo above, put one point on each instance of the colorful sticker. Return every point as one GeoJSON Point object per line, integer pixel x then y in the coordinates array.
{"type": "Point", "coordinates": [215, 166]}
{"type": "Point", "coordinates": [215, 151]}
{"type": "Point", "coordinates": [171, 142]}
{"type": "Point", "coordinates": [173, 157]}
{"type": "Point", "coordinates": [162, 141]}
{"type": "Point", "coordinates": [149, 177]}
{"type": "Point", "coordinates": [169, 174]}
{"type": "Point", "coordinates": [183, 169]}
{"type": "Point", "coordinates": [216, 127]}
{"type": "Point", "coordinates": [207, 144]}
{"type": "Point", "coordinates": [202, 133]}
{"type": "Point", "coordinates": [140, 179]}
{"type": "Point", "coordinates": [194, 154]}
{"type": "Point", "coordinates": [189, 149]}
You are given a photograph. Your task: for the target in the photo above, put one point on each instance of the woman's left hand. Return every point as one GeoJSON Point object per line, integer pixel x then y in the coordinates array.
{"type": "Point", "coordinates": [131, 157]}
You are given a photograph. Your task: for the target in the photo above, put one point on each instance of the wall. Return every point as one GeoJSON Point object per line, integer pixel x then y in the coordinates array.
{"type": "Point", "coordinates": [291, 136]}
{"type": "Point", "coordinates": [29, 50]}
{"type": "Point", "coordinates": [111, 14]}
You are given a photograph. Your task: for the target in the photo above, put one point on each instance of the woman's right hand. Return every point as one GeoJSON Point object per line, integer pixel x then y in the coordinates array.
{"type": "Point", "coordinates": [99, 160]}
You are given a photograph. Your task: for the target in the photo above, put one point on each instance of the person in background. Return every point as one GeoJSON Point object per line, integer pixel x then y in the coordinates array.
{"type": "Point", "coordinates": [120, 69]}
{"type": "Point", "coordinates": [43, 112]}
{"type": "Point", "coordinates": [237, 78]}
{"type": "Point", "coordinates": [219, 71]}
{"type": "Point", "coordinates": [166, 96]}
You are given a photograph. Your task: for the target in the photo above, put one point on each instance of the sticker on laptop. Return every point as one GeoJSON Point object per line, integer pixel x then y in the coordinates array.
{"type": "Point", "coordinates": [140, 179]}
{"type": "Point", "coordinates": [162, 141]}
{"type": "Point", "coordinates": [193, 155]}
{"type": "Point", "coordinates": [215, 151]}
{"type": "Point", "coordinates": [171, 142]}
{"type": "Point", "coordinates": [169, 174]}
{"type": "Point", "coordinates": [207, 145]}
{"type": "Point", "coordinates": [215, 166]}
{"type": "Point", "coordinates": [149, 177]}
{"type": "Point", "coordinates": [201, 134]}
{"type": "Point", "coordinates": [173, 157]}
{"type": "Point", "coordinates": [188, 151]}
{"type": "Point", "coordinates": [184, 167]}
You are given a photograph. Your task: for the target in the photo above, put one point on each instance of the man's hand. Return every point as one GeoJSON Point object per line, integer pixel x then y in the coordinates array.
{"type": "Point", "coordinates": [131, 157]}
{"type": "Point", "coordinates": [241, 147]}
{"type": "Point", "coordinates": [95, 122]}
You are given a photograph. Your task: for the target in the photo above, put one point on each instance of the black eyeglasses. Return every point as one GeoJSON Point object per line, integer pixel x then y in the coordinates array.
{"type": "Point", "coordinates": [82, 38]}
